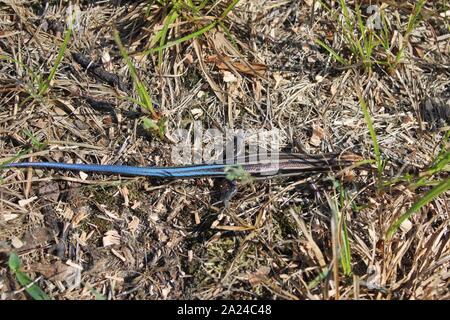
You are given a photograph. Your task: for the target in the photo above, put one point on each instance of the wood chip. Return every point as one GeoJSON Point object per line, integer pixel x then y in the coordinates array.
{"type": "Point", "coordinates": [197, 218]}
{"type": "Point", "coordinates": [133, 225]}
{"type": "Point", "coordinates": [228, 77]}
{"type": "Point", "coordinates": [125, 194]}
{"type": "Point", "coordinates": [197, 113]}
{"type": "Point", "coordinates": [118, 255]}
{"type": "Point", "coordinates": [9, 216]}
{"type": "Point", "coordinates": [406, 226]}
{"type": "Point", "coordinates": [83, 175]}
{"type": "Point", "coordinates": [16, 242]}
{"type": "Point", "coordinates": [25, 202]}
{"type": "Point", "coordinates": [74, 265]}
{"type": "Point", "coordinates": [111, 237]}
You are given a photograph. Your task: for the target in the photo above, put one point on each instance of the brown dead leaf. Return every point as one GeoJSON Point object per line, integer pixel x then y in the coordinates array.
{"type": "Point", "coordinates": [49, 191]}
{"type": "Point", "coordinates": [41, 123]}
{"type": "Point", "coordinates": [317, 136]}
{"type": "Point", "coordinates": [419, 52]}
{"type": "Point", "coordinates": [232, 228]}
{"type": "Point", "coordinates": [259, 276]}
{"type": "Point", "coordinates": [251, 69]}
{"type": "Point", "coordinates": [258, 91]}
{"type": "Point", "coordinates": [36, 237]}
{"type": "Point", "coordinates": [189, 58]}
{"type": "Point", "coordinates": [56, 271]}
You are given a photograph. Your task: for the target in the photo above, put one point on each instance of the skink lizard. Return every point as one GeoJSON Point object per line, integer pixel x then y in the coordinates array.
{"type": "Point", "coordinates": [286, 164]}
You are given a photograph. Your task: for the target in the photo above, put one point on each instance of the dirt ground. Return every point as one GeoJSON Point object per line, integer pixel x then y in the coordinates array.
{"type": "Point", "coordinates": [259, 66]}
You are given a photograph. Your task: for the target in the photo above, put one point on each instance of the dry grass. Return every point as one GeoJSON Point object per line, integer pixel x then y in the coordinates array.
{"type": "Point", "coordinates": [259, 68]}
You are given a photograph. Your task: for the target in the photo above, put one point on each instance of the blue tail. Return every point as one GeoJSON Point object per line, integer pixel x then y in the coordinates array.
{"type": "Point", "coordinates": [194, 171]}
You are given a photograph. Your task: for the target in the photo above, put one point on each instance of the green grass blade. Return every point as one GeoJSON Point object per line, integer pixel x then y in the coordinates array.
{"type": "Point", "coordinates": [338, 217]}
{"type": "Point", "coordinates": [34, 141]}
{"type": "Point", "coordinates": [162, 34]}
{"type": "Point", "coordinates": [31, 288]}
{"type": "Point", "coordinates": [97, 295]}
{"type": "Point", "coordinates": [14, 262]}
{"type": "Point", "coordinates": [145, 100]}
{"type": "Point", "coordinates": [373, 135]}
{"type": "Point", "coordinates": [229, 35]}
{"type": "Point", "coordinates": [58, 60]}
{"type": "Point", "coordinates": [346, 259]}
{"type": "Point", "coordinates": [135, 101]}
{"type": "Point", "coordinates": [149, 8]}
{"type": "Point", "coordinates": [414, 18]}
{"type": "Point", "coordinates": [427, 198]}
{"type": "Point", "coordinates": [347, 19]}
{"type": "Point", "coordinates": [183, 39]}
{"type": "Point", "coordinates": [440, 165]}
{"type": "Point", "coordinates": [317, 280]}
{"type": "Point", "coordinates": [228, 9]}
{"type": "Point", "coordinates": [443, 146]}
{"type": "Point", "coordinates": [335, 55]}
{"type": "Point", "coordinates": [143, 94]}
{"type": "Point", "coordinates": [173, 15]}
{"type": "Point", "coordinates": [202, 5]}
{"type": "Point", "coordinates": [364, 49]}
